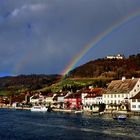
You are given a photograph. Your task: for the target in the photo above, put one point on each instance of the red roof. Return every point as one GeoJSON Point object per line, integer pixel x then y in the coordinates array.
{"type": "Point", "coordinates": [93, 90]}
{"type": "Point", "coordinates": [74, 95]}
{"type": "Point", "coordinates": [49, 95]}
{"type": "Point", "coordinates": [92, 95]}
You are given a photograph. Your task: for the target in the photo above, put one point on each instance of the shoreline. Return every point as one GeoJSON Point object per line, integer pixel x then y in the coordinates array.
{"type": "Point", "coordinates": [78, 111]}
{"type": "Point", "coordinates": [18, 108]}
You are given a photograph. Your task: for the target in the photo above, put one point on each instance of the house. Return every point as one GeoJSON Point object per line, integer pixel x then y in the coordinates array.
{"type": "Point", "coordinates": [135, 102]}
{"type": "Point", "coordinates": [119, 92]}
{"type": "Point", "coordinates": [118, 56]}
{"type": "Point", "coordinates": [36, 99]}
{"type": "Point", "coordinates": [73, 101]}
{"type": "Point", "coordinates": [46, 99]}
{"type": "Point", "coordinates": [59, 99]}
{"type": "Point", "coordinates": [49, 98]}
{"type": "Point", "coordinates": [110, 57]}
{"type": "Point", "coordinates": [91, 99]}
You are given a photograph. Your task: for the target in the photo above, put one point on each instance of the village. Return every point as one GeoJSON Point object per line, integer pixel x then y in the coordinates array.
{"type": "Point", "coordinates": [119, 96]}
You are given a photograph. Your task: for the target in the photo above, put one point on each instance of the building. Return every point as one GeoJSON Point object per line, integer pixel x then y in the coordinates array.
{"type": "Point", "coordinates": [118, 56]}
{"type": "Point", "coordinates": [36, 99]}
{"type": "Point", "coordinates": [73, 101]}
{"type": "Point", "coordinates": [46, 99]}
{"type": "Point", "coordinates": [49, 98]}
{"type": "Point", "coordinates": [135, 102]}
{"type": "Point", "coordinates": [59, 99]}
{"type": "Point", "coordinates": [91, 98]}
{"type": "Point", "coordinates": [119, 92]}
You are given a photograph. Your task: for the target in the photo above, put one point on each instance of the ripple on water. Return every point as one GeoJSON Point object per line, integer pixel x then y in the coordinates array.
{"type": "Point", "coordinates": [64, 126]}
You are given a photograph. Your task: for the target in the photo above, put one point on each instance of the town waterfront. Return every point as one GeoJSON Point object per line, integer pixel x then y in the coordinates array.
{"type": "Point", "coordinates": [27, 125]}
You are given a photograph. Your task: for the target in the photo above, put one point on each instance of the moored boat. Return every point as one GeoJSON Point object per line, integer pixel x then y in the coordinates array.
{"type": "Point", "coordinates": [39, 108]}
{"type": "Point", "coordinates": [120, 117]}
{"type": "Point", "coordinates": [78, 111]}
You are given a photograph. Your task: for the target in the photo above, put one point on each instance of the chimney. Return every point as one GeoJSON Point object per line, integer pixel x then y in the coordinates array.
{"type": "Point", "coordinates": [133, 78]}
{"type": "Point", "coordinates": [123, 78]}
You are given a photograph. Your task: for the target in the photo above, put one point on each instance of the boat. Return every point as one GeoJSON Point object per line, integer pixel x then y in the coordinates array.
{"type": "Point", "coordinates": [120, 117]}
{"type": "Point", "coordinates": [39, 109]}
{"type": "Point", "coordinates": [78, 112]}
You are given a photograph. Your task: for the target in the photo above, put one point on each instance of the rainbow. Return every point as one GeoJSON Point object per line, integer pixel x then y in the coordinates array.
{"type": "Point", "coordinates": [100, 37]}
{"type": "Point", "coordinates": [94, 42]}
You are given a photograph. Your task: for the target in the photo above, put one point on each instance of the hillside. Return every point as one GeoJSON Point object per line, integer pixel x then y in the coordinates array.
{"type": "Point", "coordinates": [26, 82]}
{"type": "Point", "coordinates": [109, 68]}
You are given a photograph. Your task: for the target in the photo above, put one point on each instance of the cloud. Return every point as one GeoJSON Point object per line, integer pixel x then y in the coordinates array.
{"type": "Point", "coordinates": [15, 12]}
{"type": "Point", "coordinates": [28, 8]}
{"type": "Point", "coordinates": [36, 7]}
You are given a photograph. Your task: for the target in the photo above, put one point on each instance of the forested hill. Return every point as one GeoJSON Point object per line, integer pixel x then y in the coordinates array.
{"type": "Point", "coordinates": [31, 82]}
{"type": "Point", "coordinates": [110, 68]}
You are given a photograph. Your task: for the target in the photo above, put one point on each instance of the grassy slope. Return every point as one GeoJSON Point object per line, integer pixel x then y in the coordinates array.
{"type": "Point", "coordinates": [73, 81]}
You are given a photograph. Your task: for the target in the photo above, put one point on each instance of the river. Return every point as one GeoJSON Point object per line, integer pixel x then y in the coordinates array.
{"type": "Point", "coordinates": [26, 125]}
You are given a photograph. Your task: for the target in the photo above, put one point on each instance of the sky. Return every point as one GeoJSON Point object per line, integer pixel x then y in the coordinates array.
{"type": "Point", "coordinates": [44, 36]}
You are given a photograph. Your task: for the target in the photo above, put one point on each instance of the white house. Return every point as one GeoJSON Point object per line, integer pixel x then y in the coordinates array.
{"type": "Point", "coordinates": [34, 99]}
{"type": "Point", "coordinates": [135, 102]}
{"type": "Point", "coordinates": [110, 57]}
{"type": "Point", "coordinates": [92, 102]}
{"type": "Point", "coordinates": [59, 99]}
{"type": "Point", "coordinates": [91, 98]}
{"type": "Point", "coordinates": [49, 98]}
{"type": "Point", "coordinates": [120, 91]}
{"type": "Point", "coordinates": [118, 56]}
{"type": "Point", "coordinates": [37, 99]}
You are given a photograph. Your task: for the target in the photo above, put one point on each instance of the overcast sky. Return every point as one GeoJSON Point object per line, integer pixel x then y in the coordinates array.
{"type": "Point", "coordinates": [43, 36]}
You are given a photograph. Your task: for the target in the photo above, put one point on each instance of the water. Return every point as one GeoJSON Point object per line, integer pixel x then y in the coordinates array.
{"type": "Point", "coordinates": [26, 125]}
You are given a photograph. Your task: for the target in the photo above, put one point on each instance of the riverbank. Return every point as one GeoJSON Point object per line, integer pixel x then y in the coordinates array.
{"type": "Point", "coordinates": [74, 111]}
{"type": "Point", "coordinates": [18, 108]}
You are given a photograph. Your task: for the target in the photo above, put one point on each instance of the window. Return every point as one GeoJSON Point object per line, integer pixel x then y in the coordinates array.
{"type": "Point", "coordinates": [118, 95]}
{"type": "Point", "coordinates": [138, 106]}
{"type": "Point", "coordinates": [104, 96]}
{"type": "Point", "coordinates": [111, 96]}
{"type": "Point", "coordinates": [114, 96]}
{"type": "Point", "coordinates": [122, 95]}
{"type": "Point", "coordinates": [138, 100]}
{"type": "Point", "coordinates": [133, 106]}
{"type": "Point", "coordinates": [133, 100]}
{"type": "Point", "coordinates": [137, 85]}
{"type": "Point", "coordinates": [134, 90]}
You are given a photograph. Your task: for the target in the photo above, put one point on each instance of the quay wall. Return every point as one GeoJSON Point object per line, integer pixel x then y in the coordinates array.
{"type": "Point", "coordinates": [72, 111]}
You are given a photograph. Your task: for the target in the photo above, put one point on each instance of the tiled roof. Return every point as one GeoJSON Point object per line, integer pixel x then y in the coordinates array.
{"type": "Point", "coordinates": [74, 95]}
{"type": "Point", "coordinates": [119, 86]}
{"type": "Point", "coordinates": [49, 95]}
{"type": "Point", "coordinates": [90, 96]}
{"type": "Point", "coordinates": [137, 96]}
{"type": "Point", "coordinates": [92, 91]}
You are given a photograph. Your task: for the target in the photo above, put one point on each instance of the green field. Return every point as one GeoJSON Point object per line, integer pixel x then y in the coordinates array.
{"type": "Point", "coordinates": [83, 82]}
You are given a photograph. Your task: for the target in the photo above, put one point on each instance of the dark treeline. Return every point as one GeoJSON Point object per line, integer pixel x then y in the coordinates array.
{"type": "Point", "coordinates": [32, 82]}
{"type": "Point", "coordinates": [110, 68]}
